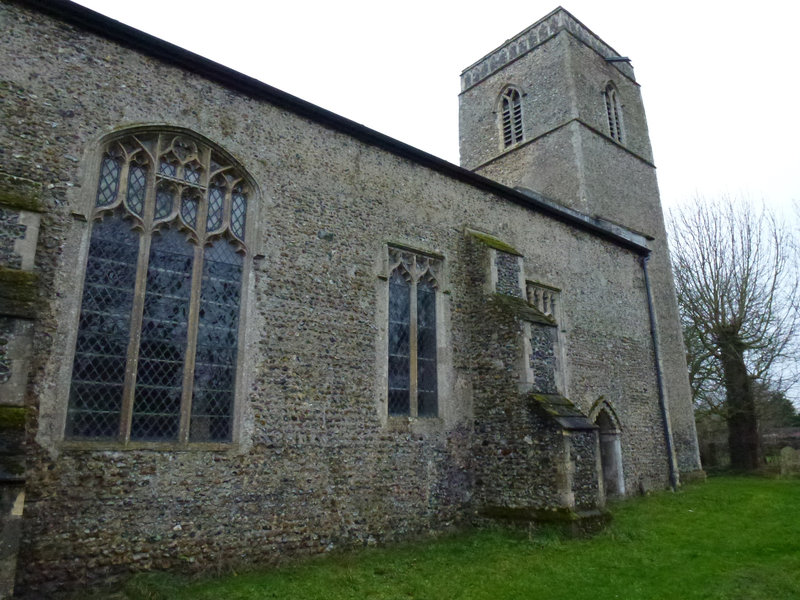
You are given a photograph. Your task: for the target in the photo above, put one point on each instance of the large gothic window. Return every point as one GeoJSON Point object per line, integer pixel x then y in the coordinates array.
{"type": "Point", "coordinates": [412, 368]}
{"type": "Point", "coordinates": [613, 112]}
{"type": "Point", "coordinates": [511, 117]}
{"type": "Point", "coordinates": [157, 343]}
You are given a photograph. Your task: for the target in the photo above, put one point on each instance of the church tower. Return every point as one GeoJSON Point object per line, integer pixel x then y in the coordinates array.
{"type": "Point", "coordinates": [557, 111]}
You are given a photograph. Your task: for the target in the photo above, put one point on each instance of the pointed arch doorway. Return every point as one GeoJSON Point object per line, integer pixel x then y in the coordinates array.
{"type": "Point", "coordinates": [610, 452]}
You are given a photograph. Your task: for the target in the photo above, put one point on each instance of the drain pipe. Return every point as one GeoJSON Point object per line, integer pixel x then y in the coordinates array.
{"type": "Point", "coordinates": [662, 394]}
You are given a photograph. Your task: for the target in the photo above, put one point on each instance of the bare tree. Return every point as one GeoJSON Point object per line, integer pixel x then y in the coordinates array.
{"type": "Point", "coordinates": [737, 283]}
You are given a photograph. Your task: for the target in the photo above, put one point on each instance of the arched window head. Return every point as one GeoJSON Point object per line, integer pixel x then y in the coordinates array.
{"type": "Point", "coordinates": [614, 112]}
{"type": "Point", "coordinates": [413, 365]}
{"type": "Point", "coordinates": [511, 116]}
{"type": "Point", "coordinates": [157, 344]}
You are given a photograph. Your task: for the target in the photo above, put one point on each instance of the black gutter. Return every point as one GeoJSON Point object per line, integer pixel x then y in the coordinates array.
{"type": "Point", "coordinates": [662, 393]}
{"type": "Point", "coordinates": [102, 26]}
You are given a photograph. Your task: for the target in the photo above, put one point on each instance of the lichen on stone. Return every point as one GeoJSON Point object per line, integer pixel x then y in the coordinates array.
{"type": "Point", "coordinates": [493, 242]}
{"type": "Point", "coordinates": [519, 307]}
{"type": "Point", "coordinates": [18, 293]}
{"type": "Point", "coordinates": [12, 418]}
{"type": "Point", "coordinates": [20, 193]}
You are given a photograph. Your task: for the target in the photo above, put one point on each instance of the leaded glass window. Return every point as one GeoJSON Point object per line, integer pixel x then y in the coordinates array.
{"type": "Point", "coordinates": [511, 117]}
{"type": "Point", "coordinates": [412, 364]}
{"type": "Point", "coordinates": [157, 344]}
{"type": "Point", "coordinates": [399, 342]}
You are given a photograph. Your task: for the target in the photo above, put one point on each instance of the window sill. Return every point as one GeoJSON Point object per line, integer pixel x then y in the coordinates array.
{"type": "Point", "coordinates": [415, 425]}
{"type": "Point", "coordinates": [114, 446]}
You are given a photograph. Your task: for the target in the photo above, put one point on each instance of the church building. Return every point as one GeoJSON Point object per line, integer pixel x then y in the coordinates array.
{"type": "Point", "coordinates": [236, 327]}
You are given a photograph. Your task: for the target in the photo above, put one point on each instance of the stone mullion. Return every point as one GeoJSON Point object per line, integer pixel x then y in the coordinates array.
{"type": "Point", "coordinates": [240, 347]}
{"type": "Point", "coordinates": [132, 363]}
{"type": "Point", "coordinates": [122, 189]}
{"type": "Point", "coordinates": [162, 146]}
{"type": "Point", "coordinates": [194, 312]}
{"type": "Point", "coordinates": [191, 346]}
{"type": "Point", "coordinates": [227, 203]}
{"type": "Point", "coordinates": [227, 206]}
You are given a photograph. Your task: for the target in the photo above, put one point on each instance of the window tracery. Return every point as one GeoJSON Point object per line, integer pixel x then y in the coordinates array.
{"type": "Point", "coordinates": [412, 360]}
{"type": "Point", "coordinates": [157, 343]}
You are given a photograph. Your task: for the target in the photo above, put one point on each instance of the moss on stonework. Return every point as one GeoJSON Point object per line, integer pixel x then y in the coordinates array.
{"type": "Point", "coordinates": [526, 513]}
{"type": "Point", "coordinates": [518, 307]}
{"type": "Point", "coordinates": [12, 443]}
{"type": "Point", "coordinates": [579, 521]}
{"type": "Point", "coordinates": [693, 476]}
{"type": "Point", "coordinates": [568, 416]}
{"type": "Point", "coordinates": [12, 418]}
{"type": "Point", "coordinates": [494, 242]}
{"type": "Point", "coordinates": [12, 468]}
{"type": "Point", "coordinates": [19, 193]}
{"type": "Point", "coordinates": [18, 293]}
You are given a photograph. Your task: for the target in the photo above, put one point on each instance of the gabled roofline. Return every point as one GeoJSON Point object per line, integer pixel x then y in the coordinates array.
{"type": "Point", "coordinates": [105, 27]}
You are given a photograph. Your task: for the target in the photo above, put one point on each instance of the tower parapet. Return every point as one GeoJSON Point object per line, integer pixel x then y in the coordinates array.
{"type": "Point", "coordinates": [538, 33]}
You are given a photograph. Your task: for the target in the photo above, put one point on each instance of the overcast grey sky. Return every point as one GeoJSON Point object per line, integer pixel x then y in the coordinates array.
{"type": "Point", "coordinates": [719, 79]}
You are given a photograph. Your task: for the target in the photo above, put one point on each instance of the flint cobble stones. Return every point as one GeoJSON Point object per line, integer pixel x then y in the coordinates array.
{"type": "Point", "coordinates": [315, 465]}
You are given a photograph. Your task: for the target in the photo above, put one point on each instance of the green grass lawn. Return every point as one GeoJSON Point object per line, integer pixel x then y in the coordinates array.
{"type": "Point", "coordinates": [730, 538]}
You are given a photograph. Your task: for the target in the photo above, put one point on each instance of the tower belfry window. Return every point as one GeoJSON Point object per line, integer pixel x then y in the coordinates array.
{"type": "Point", "coordinates": [614, 112]}
{"type": "Point", "coordinates": [511, 117]}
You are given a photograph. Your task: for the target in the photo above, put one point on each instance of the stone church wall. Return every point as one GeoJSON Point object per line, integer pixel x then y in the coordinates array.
{"type": "Point", "coordinates": [316, 464]}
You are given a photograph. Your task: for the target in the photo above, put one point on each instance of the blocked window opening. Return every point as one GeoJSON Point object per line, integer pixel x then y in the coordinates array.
{"type": "Point", "coordinates": [509, 269]}
{"type": "Point", "coordinates": [157, 344]}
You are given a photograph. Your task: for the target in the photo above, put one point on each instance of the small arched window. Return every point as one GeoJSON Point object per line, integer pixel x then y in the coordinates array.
{"type": "Point", "coordinates": [157, 343]}
{"type": "Point", "coordinates": [614, 112]}
{"type": "Point", "coordinates": [511, 116]}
